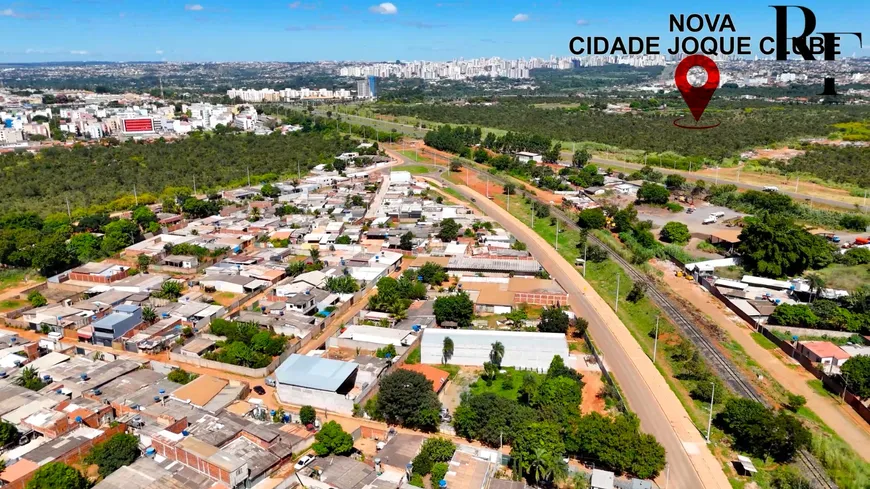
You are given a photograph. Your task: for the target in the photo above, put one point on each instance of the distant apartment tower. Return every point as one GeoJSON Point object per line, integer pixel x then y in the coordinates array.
{"type": "Point", "coordinates": [367, 88]}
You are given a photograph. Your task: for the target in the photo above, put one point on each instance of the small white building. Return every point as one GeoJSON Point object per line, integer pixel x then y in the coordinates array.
{"type": "Point", "coordinates": [525, 157]}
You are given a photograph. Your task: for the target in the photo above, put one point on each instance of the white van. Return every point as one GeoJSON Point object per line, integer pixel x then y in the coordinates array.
{"type": "Point", "coordinates": [717, 215]}
{"type": "Point", "coordinates": [771, 188]}
{"type": "Point", "coordinates": [710, 220]}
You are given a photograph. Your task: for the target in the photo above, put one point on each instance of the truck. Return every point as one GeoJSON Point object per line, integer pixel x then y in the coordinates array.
{"type": "Point", "coordinates": [717, 215]}
{"type": "Point", "coordinates": [710, 219]}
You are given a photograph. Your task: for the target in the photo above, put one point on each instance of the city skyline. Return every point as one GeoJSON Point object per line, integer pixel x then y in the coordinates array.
{"type": "Point", "coordinates": [359, 30]}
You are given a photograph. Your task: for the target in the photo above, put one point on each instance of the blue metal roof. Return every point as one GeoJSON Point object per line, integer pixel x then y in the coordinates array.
{"type": "Point", "coordinates": [111, 320]}
{"type": "Point", "coordinates": [129, 308]}
{"type": "Point", "coordinates": [314, 372]}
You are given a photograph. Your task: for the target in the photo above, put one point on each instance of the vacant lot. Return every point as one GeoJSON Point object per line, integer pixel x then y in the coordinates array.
{"type": "Point", "coordinates": [845, 277]}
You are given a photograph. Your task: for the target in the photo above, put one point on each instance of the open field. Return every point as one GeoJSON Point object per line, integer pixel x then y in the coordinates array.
{"type": "Point", "coordinates": [845, 277]}
{"type": "Point", "coordinates": [414, 169]}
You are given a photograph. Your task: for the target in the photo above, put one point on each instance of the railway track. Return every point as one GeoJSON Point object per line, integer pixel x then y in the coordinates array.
{"type": "Point", "coordinates": [719, 362]}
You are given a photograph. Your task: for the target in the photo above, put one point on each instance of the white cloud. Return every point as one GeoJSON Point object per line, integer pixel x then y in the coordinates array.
{"type": "Point", "coordinates": [79, 52]}
{"type": "Point", "coordinates": [521, 17]}
{"type": "Point", "coordinates": [159, 51]}
{"type": "Point", "coordinates": [7, 12]}
{"type": "Point", "coordinates": [193, 7]}
{"type": "Point", "coordinates": [385, 8]}
{"type": "Point", "coordinates": [582, 22]}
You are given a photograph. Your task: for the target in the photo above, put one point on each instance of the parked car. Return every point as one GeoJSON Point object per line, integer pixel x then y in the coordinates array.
{"type": "Point", "coordinates": [260, 390]}
{"type": "Point", "coordinates": [304, 462]}
{"type": "Point", "coordinates": [771, 188]}
{"type": "Point", "coordinates": [710, 220]}
{"type": "Point", "coordinates": [270, 381]}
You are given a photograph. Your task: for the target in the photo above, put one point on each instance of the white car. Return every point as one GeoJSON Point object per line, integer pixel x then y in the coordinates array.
{"type": "Point", "coordinates": [304, 462]}
{"type": "Point", "coordinates": [710, 220]}
{"type": "Point", "coordinates": [771, 188]}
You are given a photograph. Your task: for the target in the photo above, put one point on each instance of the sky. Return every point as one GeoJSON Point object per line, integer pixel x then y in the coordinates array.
{"type": "Point", "coordinates": [366, 30]}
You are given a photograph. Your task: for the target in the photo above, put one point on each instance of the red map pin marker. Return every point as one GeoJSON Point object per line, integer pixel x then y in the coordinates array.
{"type": "Point", "coordinates": [697, 98]}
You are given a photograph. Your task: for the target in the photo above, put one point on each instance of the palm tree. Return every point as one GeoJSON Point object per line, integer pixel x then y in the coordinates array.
{"type": "Point", "coordinates": [817, 285]}
{"type": "Point", "coordinates": [542, 463]}
{"type": "Point", "coordinates": [29, 379]}
{"type": "Point", "coordinates": [149, 315]}
{"type": "Point", "coordinates": [447, 350]}
{"type": "Point", "coordinates": [496, 354]}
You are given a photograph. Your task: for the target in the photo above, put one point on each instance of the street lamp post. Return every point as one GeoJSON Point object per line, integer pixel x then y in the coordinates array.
{"type": "Point", "coordinates": [617, 294]}
{"type": "Point", "coordinates": [710, 421]}
{"type": "Point", "coordinates": [585, 245]}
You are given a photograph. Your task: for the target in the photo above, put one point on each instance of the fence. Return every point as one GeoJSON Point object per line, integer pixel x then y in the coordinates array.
{"type": "Point", "coordinates": [607, 376]}
{"type": "Point", "coordinates": [833, 384]}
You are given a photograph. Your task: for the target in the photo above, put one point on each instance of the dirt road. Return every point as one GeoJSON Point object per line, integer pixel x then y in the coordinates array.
{"type": "Point", "coordinates": [691, 464]}
{"type": "Point", "coordinates": [839, 417]}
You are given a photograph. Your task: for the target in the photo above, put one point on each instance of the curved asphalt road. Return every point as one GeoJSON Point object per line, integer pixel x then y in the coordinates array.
{"type": "Point", "coordinates": [691, 464]}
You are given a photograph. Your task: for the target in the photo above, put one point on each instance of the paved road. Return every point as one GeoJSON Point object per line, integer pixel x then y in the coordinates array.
{"type": "Point", "coordinates": [691, 464]}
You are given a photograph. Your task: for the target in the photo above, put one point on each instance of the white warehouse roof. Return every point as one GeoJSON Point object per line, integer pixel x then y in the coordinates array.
{"type": "Point", "coordinates": [472, 347]}
{"type": "Point", "coordinates": [375, 334]}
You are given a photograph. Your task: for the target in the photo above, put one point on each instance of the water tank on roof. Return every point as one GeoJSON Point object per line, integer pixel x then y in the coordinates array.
{"type": "Point", "coordinates": [78, 419]}
{"type": "Point", "coordinates": [156, 398]}
{"type": "Point", "coordinates": [84, 376]}
{"type": "Point", "coordinates": [162, 391]}
{"type": "Point", "coordinates": [97, 392]}
{"type": "Point", "coordinates": [46, 378]}
{"type": "Point", "coordinates": [164, 315]}
{"type": "Point", "coordinates": [150, 452]}
{"type": "Point", "coordinates": [184, 432]}
{"type": "Point", "coordinates": [442, 484]}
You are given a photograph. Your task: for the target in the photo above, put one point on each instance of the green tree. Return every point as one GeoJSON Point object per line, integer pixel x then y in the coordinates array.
{"type": "Point", "coordinates": [57, 475]}
{"type": "Point", "coordinates": [653, 193]}
{"type": "Point", "coordinates": [496, 354]}
{"type": "Point", "coordinates": [119, 450]}
{"type": "Point", "coordinates": [432, 273]}
{"type": "Point", "coordinates": [29, 378]}
{"type": "Point", "coordinates": [773, 246]}
{"type": "Point", "coordinates": [592, 219]}
{"type": "Point", "coordinates": [448, 230]}
{"type": "Point", "coordinates": [761, 432]}
{"type": "Point", "coordinates": [580, 158]}
{"type": "Point", "coordinates": [447, 350]}
{"type": "Point", "coordinates": [343, 240]}
{"type": "Point", "coordinates": [307, 415]}
{"type": "Point", "coordinates": [332, 439]}
{"type": "Point", "coordinates": [675, 181]}
{"type": "Point", "coordinates": [509, 188]}
{"type": "Point", "coordinates": [856, 373]}
{"type": "Point", "coordinates": [180, 376]}
{"type": "Point", "coordinates": [8, 433]}
{"type": "Point", "coordinates": [553, 320]}
{"type": "Point", "coordinates": [36, 299]}
{"type": "Point", "coordinates": [787, 477]}
{"type": "Point", "coordinates": [406, 398]}
{"type": "Point", "coordinates": [270, 191]}
{"type": "Point", "coordinates": [143, 216]}
{"type": "Point", "coordinates": [143, 261]}
{"type": "Point", "coordinates": [149, 315]}
{"type": "Point", "coordinates": [406, 241]}
{"type": "Point", "coordinates": [343, 284]}
{"type": "Point", "coordinates": [454, 307]}
{"type": "Point", "coordinates": [537, 451]}
{"type": "Point", "coordinates": [170, 289]}
{"type": "Point", "coordinates": [675, 232]}
{"type": "Point", "coordinates": [85, 247]}
{"type": "Point", "coordinates": [295, 268]}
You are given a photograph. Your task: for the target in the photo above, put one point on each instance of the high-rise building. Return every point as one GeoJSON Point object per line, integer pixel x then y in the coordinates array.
{"type": "Point", "coordinates": [373, 86]}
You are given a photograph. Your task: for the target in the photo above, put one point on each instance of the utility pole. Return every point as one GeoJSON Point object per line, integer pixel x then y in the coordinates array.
{"type": "Point", "coordinates": [796, 183]}
{"type": "Point", "coordinates": [487, 186]}
{"type": "Point", "coordinates": [135, 195]}
{"type": "Point", "coordinates": [194, 185]}
{"type": "Point", "coordinates": [585, 246]}
{"type": "Point", "coordinates": [68, 211]}
{"type": "Point", "coordinates": [710, 421]}
{"type": "Point", "coordinates": [656, 342]}
{"type": "Point", "coordinates": [617, 294]}
{"type": "Point", "coordinates": [248, 169]}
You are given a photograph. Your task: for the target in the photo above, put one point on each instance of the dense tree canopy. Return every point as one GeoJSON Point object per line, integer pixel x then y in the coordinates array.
{"type": "Point", "coordinates": [119, 450]}
{"type": "Point", "coordinates": [454, 307]}
{"type": "Point", "coordinates": [675, 232]}
{"type": "Point", "coordinates": [762, 432]}
{"type": "Point", "coordinates": [332, 439]}
{"type": "Point", "coordinates": [406, 398]}
{"type": "Point", "coordinates": [773, 246]}
{"type": "Point", "coordinates": [856, 372]}
{"type": "Point", "coordinates": [553, 320]}
{"type": "Point", "coordinates": [57, 475]}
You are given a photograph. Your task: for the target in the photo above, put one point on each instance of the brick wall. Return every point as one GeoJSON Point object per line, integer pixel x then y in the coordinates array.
{"type": "Point", "coordinates": [540, 299]}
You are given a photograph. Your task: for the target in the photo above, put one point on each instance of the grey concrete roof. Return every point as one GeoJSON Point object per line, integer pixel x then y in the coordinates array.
{"type": "Point", "coordinates": [344, 473]}
{"type": "Point", "coordinates": [139, 475]}
{"type": "Point", "coordinates": [314, 373]}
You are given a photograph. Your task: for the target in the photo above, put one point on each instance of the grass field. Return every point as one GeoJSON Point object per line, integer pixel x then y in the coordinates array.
{"type": "Point", "coordinates": [845, 277]}
{"type": "Point", "coordinates": [764, 342]}
{"type": "Point", "coordinates": [414, 169]}
{"type": "Point", "coordinates": [11, 304]}
{"type": "Point", "coordinates": [506, 385]}
{"type": "Point", "coordinates": [453, 370]}
{"type": "Point", "coordinates": [416, 156]}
